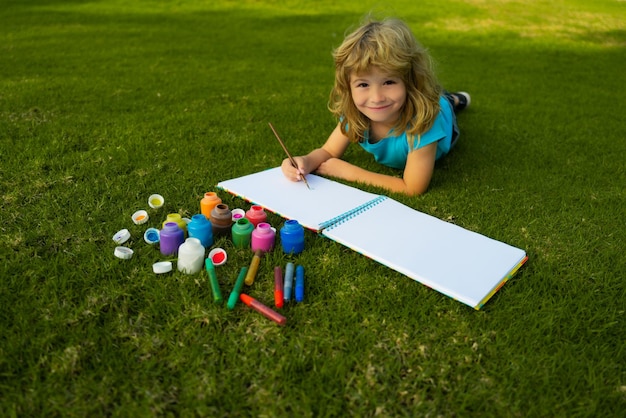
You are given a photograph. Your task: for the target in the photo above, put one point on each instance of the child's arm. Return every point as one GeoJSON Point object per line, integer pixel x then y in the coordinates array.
{"type": "Point", "coordinates": [417, 172]}
{"type": "Point", "coordinates": [334, 147]}
{"type": "Point", "coordinates": [326, 161]}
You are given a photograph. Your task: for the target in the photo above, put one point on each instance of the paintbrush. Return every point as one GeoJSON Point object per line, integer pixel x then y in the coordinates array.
{"type": "Point", "coordinates": [293, 162]}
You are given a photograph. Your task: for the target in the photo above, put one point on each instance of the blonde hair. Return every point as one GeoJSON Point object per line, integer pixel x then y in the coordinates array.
{"type": "Point", "coordinates": [390, 46]}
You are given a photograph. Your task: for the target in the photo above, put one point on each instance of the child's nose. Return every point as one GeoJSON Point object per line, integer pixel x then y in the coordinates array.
{"type": "Point", "coordinates": [377, 95]}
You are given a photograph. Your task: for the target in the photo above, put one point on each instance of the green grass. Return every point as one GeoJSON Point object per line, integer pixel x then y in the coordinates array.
{"type": "Point", "coordinates": [104, 103]}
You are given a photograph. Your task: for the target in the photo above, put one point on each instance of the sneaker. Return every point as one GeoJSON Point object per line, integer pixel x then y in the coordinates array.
{"type": "Point", "coordinates": [463, 100]}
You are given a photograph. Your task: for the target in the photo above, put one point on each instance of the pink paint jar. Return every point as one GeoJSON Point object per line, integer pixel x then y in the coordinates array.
{"type": "Point", "coordinates": [256, 215]}
{"type": "Point", "coordinates": [263, 237]}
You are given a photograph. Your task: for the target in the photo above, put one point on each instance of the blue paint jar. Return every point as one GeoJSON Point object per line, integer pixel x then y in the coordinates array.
{"type": "Point", "coordinates": [200, 227]}
{"type": "Point", "coordinates": [292, 237]}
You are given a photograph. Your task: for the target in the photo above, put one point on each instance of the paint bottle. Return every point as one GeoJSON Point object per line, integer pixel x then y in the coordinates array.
{"type": "Point", "coordinates": [221, 219]}
{"type": "Point", "coordinates": [191, 256]}
{"type": "Point", "coordinates": [292, 237]}
{"type": "Point", "coordinates": [256, 215]}
{"type": "Point", "coordinates": [208, 202]}
{"type": "Point", "coordinates": [242, 233]}
{"type": "Point", "coordinates": [200, 227]}
{"type": "Point", "coordinates": [171, 237]}
{"type": "Point", "coordinates": [263, 237]}
{"type": "Point", "coordinates": [175, 217]}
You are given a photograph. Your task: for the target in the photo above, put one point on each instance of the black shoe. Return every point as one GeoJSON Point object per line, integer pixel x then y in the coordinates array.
{"type": "Point", "coordinates": [461, 100]}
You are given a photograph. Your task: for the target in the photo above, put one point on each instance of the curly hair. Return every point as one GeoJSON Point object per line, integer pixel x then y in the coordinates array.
{"type": "Point", "coordinates": [390, 46]}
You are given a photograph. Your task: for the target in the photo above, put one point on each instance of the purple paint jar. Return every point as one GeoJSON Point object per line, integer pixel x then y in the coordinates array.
{"type": "Point", "coordinates": [171, 237]}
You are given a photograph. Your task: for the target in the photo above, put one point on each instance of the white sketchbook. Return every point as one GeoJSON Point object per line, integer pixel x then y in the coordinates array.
{"type": "Point", "coordinates": [459, 263]}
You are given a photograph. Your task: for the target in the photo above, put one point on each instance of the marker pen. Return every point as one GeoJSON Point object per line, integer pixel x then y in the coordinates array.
{"type": "Point", "coordinates": [278, 287]}
{"type": "Point", "coordinates": [262, 309]}
{"type": "Point", "coordinates": [288, 281]}
{"type": "Point", "coordinates": [234, 295]}
{"type": "Point", "coordinates": [215, 286]}
{"type": "Point", "coordinates": [299, 283]}
{"type": "Point", "coordinates": [254, 267]}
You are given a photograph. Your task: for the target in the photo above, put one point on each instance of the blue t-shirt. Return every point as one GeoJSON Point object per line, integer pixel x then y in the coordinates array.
{"type": "Point", "coordinates": [392, 151]}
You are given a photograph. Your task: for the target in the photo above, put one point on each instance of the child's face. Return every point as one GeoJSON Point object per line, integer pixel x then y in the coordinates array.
{"type": "Point", "coordinates": [378, 95]}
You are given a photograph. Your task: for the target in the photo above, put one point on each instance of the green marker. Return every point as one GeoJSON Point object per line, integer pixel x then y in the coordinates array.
{"type": "Point", "coordinates": [215, 286]}
{"type": "Point", "coordinates": [234, 295]}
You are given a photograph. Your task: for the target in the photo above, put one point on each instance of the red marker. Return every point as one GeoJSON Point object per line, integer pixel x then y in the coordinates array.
{"type": "Point", "coordinates": [262, 309]}
{"type": "Point", "coordinates": [279, 296]}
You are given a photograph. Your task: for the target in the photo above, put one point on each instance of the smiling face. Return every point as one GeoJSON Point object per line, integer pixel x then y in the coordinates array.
{"type": "Point", "coordinates": [378, 95]}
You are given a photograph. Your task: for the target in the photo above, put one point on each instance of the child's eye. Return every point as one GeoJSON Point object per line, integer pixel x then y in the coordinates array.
{"type": "Point", "coordinates": [363, 85]}
{"type": "Point", "coordinates": [389, 82]}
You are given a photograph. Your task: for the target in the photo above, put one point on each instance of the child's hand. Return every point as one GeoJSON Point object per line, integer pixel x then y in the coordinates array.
{"type": "Point", "coordinates": [291, 172]}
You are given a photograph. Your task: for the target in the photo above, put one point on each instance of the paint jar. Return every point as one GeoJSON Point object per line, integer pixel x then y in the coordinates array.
{"type": "Point", "coordinates": [200, 227]}
{"type": "Point", "coordinates": [242, 233]}
{"type": "Point", "coordinates": [256, 215]}
{"type": "Point", "coordinates": [175, 217]}
{"type": "Point", "coordinates": [263, 237]}
{"type": "Point", "coordinates": [221, 219]}
{"type": "Point", "coordinates": [191, 256]}
{"type": "Point", "coordinates": [292, 237]}
{"type": "Point", "coordinates": [208, 202]}
{"type": "Point", "coordinates": [170, 238]}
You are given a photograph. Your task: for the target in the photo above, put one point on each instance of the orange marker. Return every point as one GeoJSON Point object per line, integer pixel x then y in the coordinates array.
{"type": "Point", "coordinates": [278, 287]}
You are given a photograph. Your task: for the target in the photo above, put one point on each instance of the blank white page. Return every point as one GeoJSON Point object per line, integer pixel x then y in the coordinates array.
{"type": "Point", "coordinates": [459, 263]}
{"type": "Point", "coordinates": [325, 200]}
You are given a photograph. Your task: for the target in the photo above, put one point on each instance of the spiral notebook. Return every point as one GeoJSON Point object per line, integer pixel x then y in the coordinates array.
{"type": "Point", "coordinates": [459, 263]}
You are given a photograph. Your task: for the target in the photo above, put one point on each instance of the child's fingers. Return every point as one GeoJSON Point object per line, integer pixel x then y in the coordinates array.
{"type": "Point", "coordinates": [291, 172]}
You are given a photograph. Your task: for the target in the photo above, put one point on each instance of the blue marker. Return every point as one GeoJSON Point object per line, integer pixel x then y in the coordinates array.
{"type": "Point", "coordinates": [288, 281]}
{"type": "Point", "coordinates": [299, 284]}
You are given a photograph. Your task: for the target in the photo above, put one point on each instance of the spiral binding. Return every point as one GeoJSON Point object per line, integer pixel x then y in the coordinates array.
{"type": "Point", "coordinates": [346, 216]}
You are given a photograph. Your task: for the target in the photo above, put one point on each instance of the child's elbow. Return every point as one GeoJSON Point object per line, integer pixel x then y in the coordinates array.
{"type": "Point", "coordinates": [416, 192]}
{"type": "Point", "coordinates": [416, 189]}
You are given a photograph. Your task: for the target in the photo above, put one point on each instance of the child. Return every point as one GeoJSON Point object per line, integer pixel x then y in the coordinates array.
{"type": "Point", "coordinates": [387, 100]}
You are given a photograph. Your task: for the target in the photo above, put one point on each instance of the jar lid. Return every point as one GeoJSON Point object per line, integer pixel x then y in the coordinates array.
{"type": "Point", "coordinates": [238, 214]}
{"type": "Point", "coordinates": [124, 253]}
{"type": "Point", "coordinates": [121, 236]}
{"type": "Point", "coordinates": [140, 217]}
{"type": "Point", "coordinates": [218, 256]}
{"type": "Point", "coordinates": [155, 201]}
{"type": "Point", "coordinates": [152, 236]}
{"type": "Point", "coordinates": [162, 267]}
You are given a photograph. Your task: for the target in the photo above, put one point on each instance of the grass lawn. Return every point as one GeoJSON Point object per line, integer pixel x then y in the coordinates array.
{"type": "Point", "coordinates": [103, 103]}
